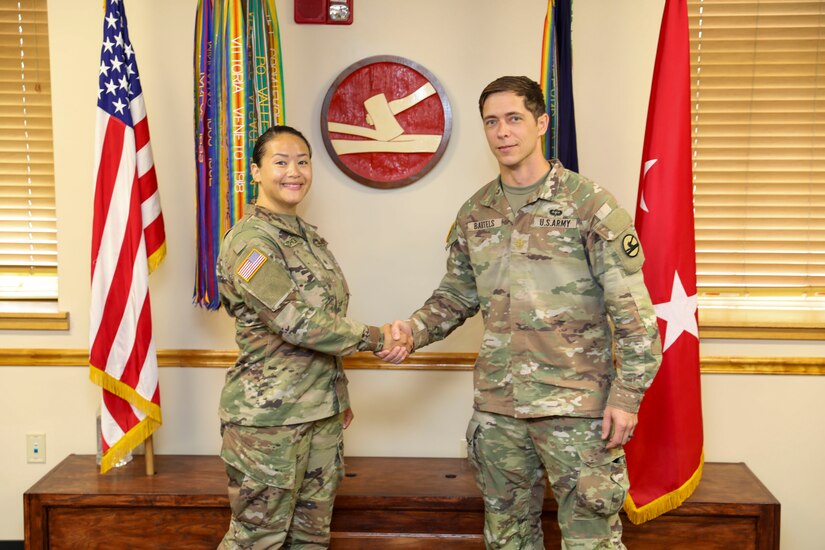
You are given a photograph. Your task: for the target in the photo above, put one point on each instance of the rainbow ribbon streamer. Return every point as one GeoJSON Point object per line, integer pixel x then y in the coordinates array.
{"type": "Point", "coordinates": [557, 83]}
{"type": "Point", "coordinates": [238, 94]}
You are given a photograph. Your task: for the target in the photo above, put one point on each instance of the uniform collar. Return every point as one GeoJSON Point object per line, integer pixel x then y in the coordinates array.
{"type": "Point", "coordinates": [278, 221]}
{"type": "Point", "coordinates": [547, 190]}
{"type": "Point", "coordinates": [493, 196]}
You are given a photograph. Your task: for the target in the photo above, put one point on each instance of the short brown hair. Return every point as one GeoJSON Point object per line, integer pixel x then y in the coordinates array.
{"type": "Point", "coordinates": [521, 86]}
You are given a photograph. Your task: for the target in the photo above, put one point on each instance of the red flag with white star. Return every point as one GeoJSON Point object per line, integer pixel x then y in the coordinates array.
{"type": "Point", "coordinates": [665, 457]}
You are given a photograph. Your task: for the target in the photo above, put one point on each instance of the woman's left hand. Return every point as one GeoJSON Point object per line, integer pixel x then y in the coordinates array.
{"type": "Point", "coordinates": [348, 416]}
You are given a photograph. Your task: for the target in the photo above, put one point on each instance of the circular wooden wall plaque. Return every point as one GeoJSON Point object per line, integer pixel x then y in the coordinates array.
{"type": "Point", "coordinates": [386, 121]}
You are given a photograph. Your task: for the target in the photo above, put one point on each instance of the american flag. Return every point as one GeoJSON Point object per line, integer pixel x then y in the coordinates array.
{"type": "Point", "coordinates": [254, 261]}
{"type": "Point", "coordinates": [128, 242]}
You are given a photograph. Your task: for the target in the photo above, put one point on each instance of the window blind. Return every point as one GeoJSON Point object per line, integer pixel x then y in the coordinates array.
{"type": "Point", "coordinates": [28, 231]}
{"type": "Point", "coordinates": [758, 84]}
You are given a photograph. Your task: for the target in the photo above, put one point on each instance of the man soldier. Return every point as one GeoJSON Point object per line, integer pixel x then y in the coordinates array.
{"type": "Point", "coordinates": [570, 336]}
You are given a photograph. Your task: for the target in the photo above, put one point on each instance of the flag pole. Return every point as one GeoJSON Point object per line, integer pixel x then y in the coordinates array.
{"type": "Point", "coordinates": [149, 450]}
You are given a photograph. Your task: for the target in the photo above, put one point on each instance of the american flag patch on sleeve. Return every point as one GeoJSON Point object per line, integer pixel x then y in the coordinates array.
{"type": "Point", "coordinates": [251, 265]}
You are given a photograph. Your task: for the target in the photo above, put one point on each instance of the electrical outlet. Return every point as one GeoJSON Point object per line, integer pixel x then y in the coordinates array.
{"type": "Point", "coordinates": [36, 448]}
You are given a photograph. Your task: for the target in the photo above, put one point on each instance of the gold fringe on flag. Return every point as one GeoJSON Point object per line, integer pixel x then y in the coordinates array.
{"type": "Point", "coordinates": [137, 434]}
{"type": "Point", "coordinates": [156, 257]}
{"type": "Point", "coordinates": [664, 503]}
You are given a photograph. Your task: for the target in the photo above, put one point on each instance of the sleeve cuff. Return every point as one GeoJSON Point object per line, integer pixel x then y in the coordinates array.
{"type": "Point", "coordinates": [421, 335]}
{"type": "Point", "coordinates": [372, 339]}
{"type": "Point", "coordinates": [624, 399]}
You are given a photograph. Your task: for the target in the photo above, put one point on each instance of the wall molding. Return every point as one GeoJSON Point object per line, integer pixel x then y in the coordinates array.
{"type": "Point", "coordinates": [756, 332]}
{"type": "Point", "coordinates": [763, 365]}
{"type": "Point", "coordinates": [12, 320]}
{"type": "Point", "coordinates": [421, 361]}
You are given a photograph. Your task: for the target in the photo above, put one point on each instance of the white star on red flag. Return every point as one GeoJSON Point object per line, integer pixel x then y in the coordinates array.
{"type": "Point", "coordinates": [679, 313]}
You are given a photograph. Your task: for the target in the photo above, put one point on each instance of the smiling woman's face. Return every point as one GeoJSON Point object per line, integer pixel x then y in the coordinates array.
{"type": "Point", "coordinates": [284, 175]}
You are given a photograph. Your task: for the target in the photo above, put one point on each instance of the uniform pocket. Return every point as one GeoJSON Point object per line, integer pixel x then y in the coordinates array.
{"type": "Point", "coordinates": [267, 455]}
{"type": "Point", "coordinates": [634, 352]}
{"type": "Point", "coordinates": [340, 465]}
{"type": "Point", "coordinates": [312, 264]}
{"type": "Point", "coordinates": [602, 485]}
{"type": "Point", "coordinates": [471, 437]}
{"type": "Point", "coordinates": [252, 502]}
{"type": "Point", "coordinates": [324, 255]}
{"type": "Point", "coordinates": [487, 247]}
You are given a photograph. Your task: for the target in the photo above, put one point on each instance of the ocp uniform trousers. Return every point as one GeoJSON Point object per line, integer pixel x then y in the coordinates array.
{"type": "Point", "coordinates": [511, 458]}
{"type": "Point", "coordinates": [282, 484]}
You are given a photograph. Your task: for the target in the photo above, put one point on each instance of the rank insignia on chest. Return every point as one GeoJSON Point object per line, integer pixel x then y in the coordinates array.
{"type": "Point", "coordinates": [520, 243]}
{"type": "Point", "coordinates": [251, 265]}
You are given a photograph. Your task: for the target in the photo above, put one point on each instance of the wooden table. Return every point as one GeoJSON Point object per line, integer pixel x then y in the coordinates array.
{"type": "Point", "coordinates": [410, 503]}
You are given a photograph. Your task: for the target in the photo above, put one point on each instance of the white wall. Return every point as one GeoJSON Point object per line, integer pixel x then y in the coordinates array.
{"type": "Point", "coordinates": [388, 242]}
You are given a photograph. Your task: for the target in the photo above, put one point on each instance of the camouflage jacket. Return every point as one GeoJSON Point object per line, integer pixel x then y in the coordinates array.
{"type": "Point", "coordinates": [550, 280]}
{"type": "Point", "coordinates": [288, 297]}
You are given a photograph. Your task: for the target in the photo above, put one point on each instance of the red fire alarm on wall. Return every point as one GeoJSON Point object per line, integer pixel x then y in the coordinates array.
{"type": "Point", "coordinates": [324, 12]}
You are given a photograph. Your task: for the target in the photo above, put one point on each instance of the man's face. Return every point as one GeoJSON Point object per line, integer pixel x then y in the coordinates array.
{"type": "Point", "coordinates": [513, 133]}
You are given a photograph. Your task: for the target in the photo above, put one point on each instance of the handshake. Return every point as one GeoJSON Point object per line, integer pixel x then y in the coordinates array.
{"type": "Point", "coordinates": [398, 342]}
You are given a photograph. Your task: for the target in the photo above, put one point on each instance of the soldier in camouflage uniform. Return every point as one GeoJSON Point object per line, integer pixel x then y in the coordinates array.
{"type": "Point", "coordinates": [553, 263]}
{"type": "Point", "coordinates": [284, 403]}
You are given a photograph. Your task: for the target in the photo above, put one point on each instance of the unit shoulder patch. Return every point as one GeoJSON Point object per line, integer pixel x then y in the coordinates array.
{"type": "Point", "coordinates": [450, 237]}
{"type": "Point", "coordinates": [629, 251]}
{"type": "Point", "coordinates": [630, 245]}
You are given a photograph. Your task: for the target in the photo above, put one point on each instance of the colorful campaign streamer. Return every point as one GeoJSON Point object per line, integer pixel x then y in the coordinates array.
{"type": "Point", "coordinates": [557, 83]}
{"type": "Point", "coordinates": [239, 93]}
